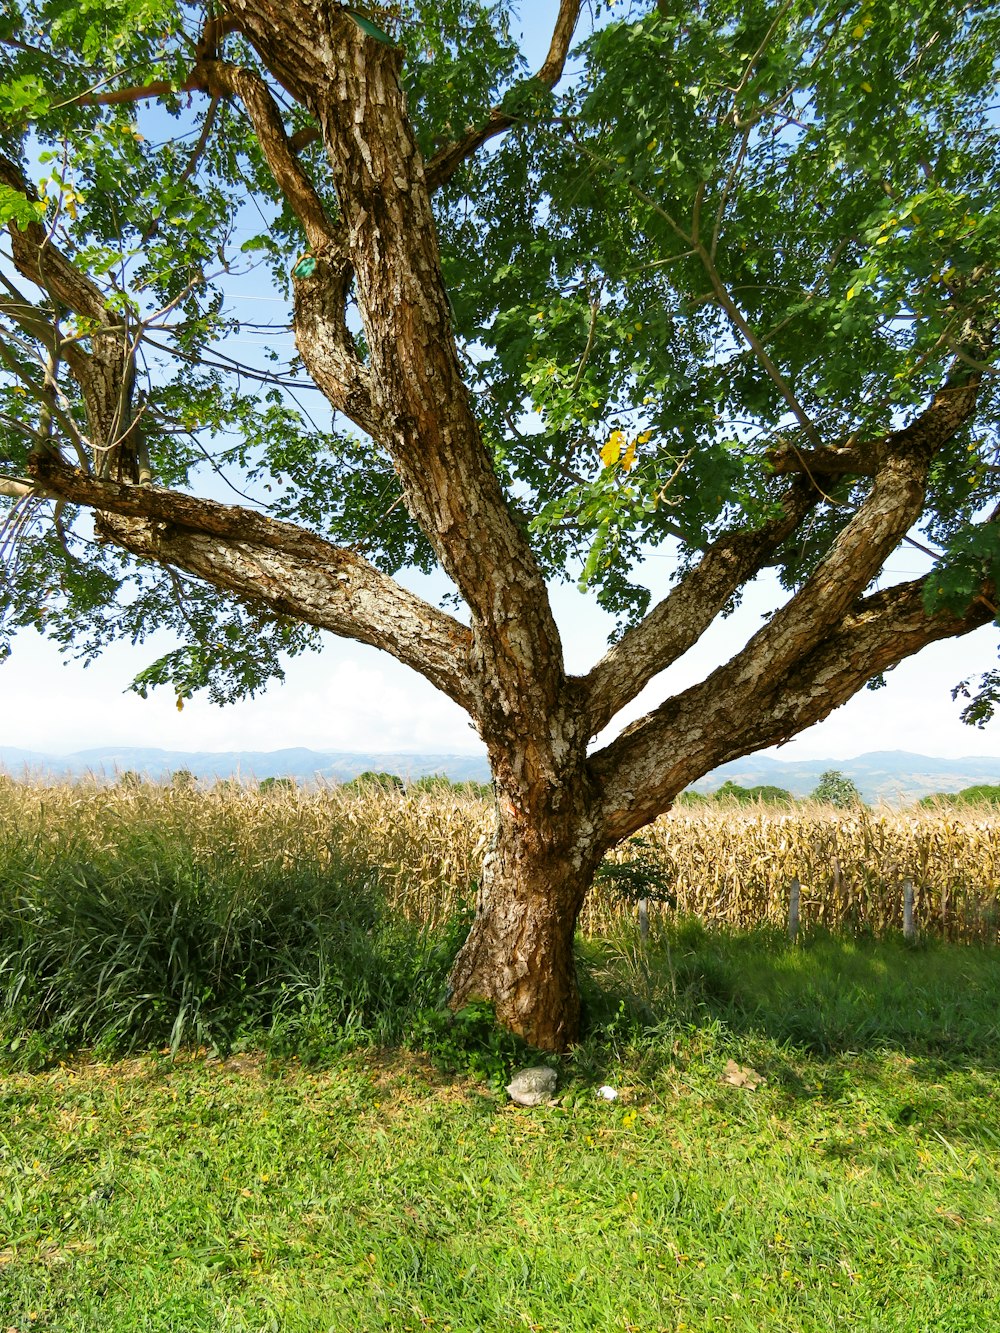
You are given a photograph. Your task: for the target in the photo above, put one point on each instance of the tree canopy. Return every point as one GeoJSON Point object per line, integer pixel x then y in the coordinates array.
{"type": "Point", "coordinates": [718, 279]}
{"type": "Point", "coordinates": [737, 235]}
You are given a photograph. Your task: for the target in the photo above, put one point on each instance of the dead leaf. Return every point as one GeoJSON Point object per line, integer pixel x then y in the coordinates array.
{"type": "Point", "coordinates": [739, 1077]}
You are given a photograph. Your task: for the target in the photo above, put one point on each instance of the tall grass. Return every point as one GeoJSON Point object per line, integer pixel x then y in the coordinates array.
{"type": "Point", "coordinates": [136, 915]}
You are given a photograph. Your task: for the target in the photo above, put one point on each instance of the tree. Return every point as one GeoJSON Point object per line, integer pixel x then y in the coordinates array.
{"type": "Point", "coordinates": [728, 291]}
{"type": "Point", "coordinates": [983, 793]}
{"type": "Point", "coordinates": [766, 794]}
{"type": "Point", "coordinates": [836, 788]}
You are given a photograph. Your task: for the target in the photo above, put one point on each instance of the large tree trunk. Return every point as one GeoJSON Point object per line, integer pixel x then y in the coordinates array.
{"type": "Point", "coordinates": [519, 952]}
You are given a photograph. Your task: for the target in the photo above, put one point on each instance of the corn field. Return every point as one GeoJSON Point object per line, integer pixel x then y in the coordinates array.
{"type": "Point", "coordinates": [727, 865]}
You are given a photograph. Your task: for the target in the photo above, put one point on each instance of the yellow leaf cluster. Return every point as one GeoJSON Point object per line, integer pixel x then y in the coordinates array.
{"type": "Point", "coordinates": [617, 449]}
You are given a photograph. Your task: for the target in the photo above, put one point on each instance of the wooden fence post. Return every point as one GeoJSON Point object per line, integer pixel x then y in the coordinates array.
{"type": "Point", "coordinates": [909, 926]}
{"type": "Point", "coordinates": [644, 919]}
{"type": "Point", "coordinates": [793, 908]}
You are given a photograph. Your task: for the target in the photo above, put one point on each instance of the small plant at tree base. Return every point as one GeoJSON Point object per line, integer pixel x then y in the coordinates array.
{"type": "Point", "coordinates": [641, 875]}
{"type": "Point", "coordinates": [469, 1041]}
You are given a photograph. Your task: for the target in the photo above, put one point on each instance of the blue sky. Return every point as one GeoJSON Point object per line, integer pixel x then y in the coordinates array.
{"type": "Point", "coordinates": [350, 697]}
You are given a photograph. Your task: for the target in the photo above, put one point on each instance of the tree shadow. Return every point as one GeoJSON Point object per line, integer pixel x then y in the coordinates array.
{"type": "Point", "coordinates": [827, 997]}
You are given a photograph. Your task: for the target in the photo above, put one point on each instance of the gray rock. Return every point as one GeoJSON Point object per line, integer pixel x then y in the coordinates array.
{"type": "Point", "coordinates": [531, 1087]}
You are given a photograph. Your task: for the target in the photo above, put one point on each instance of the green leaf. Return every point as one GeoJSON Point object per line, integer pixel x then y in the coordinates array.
{"type": "Point", "coordinates": [18, 208]}
{"type": "Point", "coordinates": [369, 28]}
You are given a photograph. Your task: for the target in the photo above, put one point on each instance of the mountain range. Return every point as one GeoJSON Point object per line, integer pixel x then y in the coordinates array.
{"type": "Point", "coordinates": [299, 763]}
{"type": "Point", "coordinates": [894, 776]}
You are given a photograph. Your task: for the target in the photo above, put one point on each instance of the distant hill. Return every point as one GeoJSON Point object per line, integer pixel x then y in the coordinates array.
{"type": "Point", "coordinates": [895, 776]}
{"type": "Point", "coordinates": [301, 764]}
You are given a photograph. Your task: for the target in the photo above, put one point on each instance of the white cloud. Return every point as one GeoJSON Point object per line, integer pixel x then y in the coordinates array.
{"type": "Point", "coordinates": [348, 697]}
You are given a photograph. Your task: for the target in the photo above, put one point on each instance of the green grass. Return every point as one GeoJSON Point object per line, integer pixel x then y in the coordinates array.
{"type": "Point", "coordinates": [856, 1188]}
{"type": "Point", "coordinates": [304, 1139]}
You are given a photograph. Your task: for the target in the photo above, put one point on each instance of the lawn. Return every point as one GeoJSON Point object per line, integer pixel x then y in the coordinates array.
{"type": "Point", "coordinates": [856, 1187]}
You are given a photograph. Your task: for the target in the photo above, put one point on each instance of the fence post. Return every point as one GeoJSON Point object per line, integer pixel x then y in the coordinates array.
{"type": "Point", "coordinates": [794, 890]}
{"type": "Point", "coordinates": [643, 919]}
{"type": "Point", "coordinates": [909, 927]}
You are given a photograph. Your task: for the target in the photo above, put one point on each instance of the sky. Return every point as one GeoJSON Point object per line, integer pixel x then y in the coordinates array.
{"type": "Point", "coordinates": [351, 697]}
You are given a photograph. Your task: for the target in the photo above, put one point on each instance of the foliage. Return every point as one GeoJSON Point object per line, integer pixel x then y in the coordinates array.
{"type": "Point", "coordinates": [982, 793]}
{"type": "Point", "coordinates": [840, 163]}
{"type": "Point", "coordinates": [636, 873]}
{"type": "Point", "coordinates": [766, 793]}
{"type": "Point", "coordinates": [144, 947]}
{"type": "Point", "coordinates": [688, 799]}
{"type": "Point", "coordinates": [836, 788]}
{"type": "Point", "coordinates": [437, 783]}
{"type": "Point", "coordinates": [389, 782]}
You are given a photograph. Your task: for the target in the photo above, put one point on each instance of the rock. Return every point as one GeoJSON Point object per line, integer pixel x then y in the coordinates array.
{"type": "Point", "coordinates": [609, 1094]}
{"type": "Point", "coordinates": [531, 1087]}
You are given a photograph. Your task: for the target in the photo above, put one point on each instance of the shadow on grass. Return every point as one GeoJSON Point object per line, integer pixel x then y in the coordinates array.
{"type": "Point", "coordinates": [826, 995]}
{"type": "Point", "coordinates": [905, 1038]}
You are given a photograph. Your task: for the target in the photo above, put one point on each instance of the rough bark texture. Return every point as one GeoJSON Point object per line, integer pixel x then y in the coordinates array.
{"type": "Point", "coordinates": [557, 810]}
{"type": "Point", "coordinates": [536, 873]}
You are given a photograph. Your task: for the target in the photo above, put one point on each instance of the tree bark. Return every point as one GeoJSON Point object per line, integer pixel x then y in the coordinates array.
{"type": "Point", "coordinates": [519, 953]}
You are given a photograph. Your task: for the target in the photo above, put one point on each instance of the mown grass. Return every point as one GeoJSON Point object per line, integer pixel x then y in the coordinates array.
{"type": "Point", "coordinates": [304, 1138]}
{"type": "Point", "coordinates": [851, 1191]}
{"type": "Point", "coordinates": [389, 1189]}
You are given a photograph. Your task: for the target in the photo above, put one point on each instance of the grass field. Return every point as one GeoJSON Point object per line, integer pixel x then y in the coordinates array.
{"type": "Point", "coordinates": [856, 1187]}
{"type": "Point", "coordinates": [804, 1138]}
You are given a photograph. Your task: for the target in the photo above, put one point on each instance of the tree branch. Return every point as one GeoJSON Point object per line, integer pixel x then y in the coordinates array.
{"type": "Point", "coordinates": [222, 79]}
{"type": "Point", "coordinates": [39, 260]}
{"type": "Point", "coordinates": [833, 462]}
{"type": "Point", "coordinates": [294, 571]}
{"type": "Point", "coordinates": [423, 409]}
{"type": "Point", "coordinates": [446, 161]}
{"type": "Point", "coordinates": [715, 721]}
{"type": "Point", "coordinates": [682, 617]}
{"type": "Point", "coordinates": [948, 411]}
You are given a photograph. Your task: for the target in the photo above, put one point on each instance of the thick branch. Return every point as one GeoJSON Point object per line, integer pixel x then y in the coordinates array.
{"type": "Point", "coordinates": [948, 411]}
{"type": "Point", "coordinates": [893, 506]}
{"type": "Point", "coordinates": [719, 720]}
{"type": "Point", "coordinates": [212, 36]}
{"type": "Point", "coordinates": [683, 616]}
{"type": "Point", "coordinates": [426, 418]}
{"type": "Point", "coordinates": [142, 92]}
{"type": "Point", "coordinates": [327, 346]}
{"type": "Point", "coordinates": [446, 161]}
{"type": "Point", "coordinates": [42, 262]}
{"type": "Point", "coordinates": [292, 570]}
{"type": "Point", "coordinates": [105, 374]}
{"type": "Point", "coordinates": [834, 462]}
{"type": "Point", "coordinates": [223, 79]}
